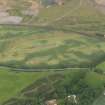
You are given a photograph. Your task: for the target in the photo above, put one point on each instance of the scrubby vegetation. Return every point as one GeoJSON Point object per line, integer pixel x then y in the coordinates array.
{"type": "Point", "coordinates": [59, 85]}
{"type": "Point", "coordinates": [13, 82]}
{"type": "Point", "coordinates": [100, 100]}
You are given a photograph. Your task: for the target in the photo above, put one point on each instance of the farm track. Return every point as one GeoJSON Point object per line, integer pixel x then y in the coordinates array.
{"type": "Point", "coordinates": [41, 70]}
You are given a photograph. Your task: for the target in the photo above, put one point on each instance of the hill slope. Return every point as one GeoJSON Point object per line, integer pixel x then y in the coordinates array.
{"type": "Point", "coordinates": [59, 86]}
{"type": "Point", "coordinates": [54, 37]}
{"type": "Point", "coordinates": [77, 26]}
{"type": "Point", "coordinates": [36, 12]}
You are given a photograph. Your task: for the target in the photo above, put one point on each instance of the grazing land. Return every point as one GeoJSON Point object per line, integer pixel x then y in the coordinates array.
{"type": "Point", "coordinates": [38, 48]}
{"type": "Point", "coordinates": [13, 82]}
{"type": "Point", "coordinates": [86, 85]}
{"type": "Point", "coordinates": [52, 49]}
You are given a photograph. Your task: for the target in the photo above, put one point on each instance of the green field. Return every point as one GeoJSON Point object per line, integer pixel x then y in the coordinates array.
{"type": "Point", "coordinates": [101, 67]}
{"type": "Point", "coordinates": [60, 84]}
{"type": "Point", "coordinates": [73, 36]}
{"type": "Point", "coordinates": [13, 82]}
{"type": "Point", "coordinates": [23, 47]}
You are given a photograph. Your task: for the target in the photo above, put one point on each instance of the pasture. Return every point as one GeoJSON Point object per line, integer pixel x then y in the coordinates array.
{"type": "Point", "coordinates": [43, 48]}
{"type": "Point", "coordinates": [60, 84]}
{"type": "Point", "coordinates": [12, 82]}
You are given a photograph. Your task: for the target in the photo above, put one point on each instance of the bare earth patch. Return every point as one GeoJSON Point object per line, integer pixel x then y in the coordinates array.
{"type": "Point", "coordinates": [5, 18]}
{"type": "Point", "coordinates": [100, 2]}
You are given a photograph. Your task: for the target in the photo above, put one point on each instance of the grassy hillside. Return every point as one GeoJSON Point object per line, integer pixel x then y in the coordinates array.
{"type": "Point", "coordinates": [85, 18]}
{"type": "Point", "coordinates": [58, 86]}
{"type": "Point", "coordinates": [72, 12]}
{"type": "Point", "coordinates": [24, 47]}
{"type": "Point", "coordinates": [13, 82]}
{"type": "Point", "coordinates": [59, 37]}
